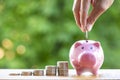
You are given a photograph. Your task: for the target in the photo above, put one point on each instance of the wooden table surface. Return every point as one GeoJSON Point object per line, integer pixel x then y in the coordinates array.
{"type": "Point", "coordinates": [103, 74]}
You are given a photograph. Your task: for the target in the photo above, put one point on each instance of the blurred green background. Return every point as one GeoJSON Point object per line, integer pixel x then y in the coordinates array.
{"type": "Point", "coordinates": [36, 33]}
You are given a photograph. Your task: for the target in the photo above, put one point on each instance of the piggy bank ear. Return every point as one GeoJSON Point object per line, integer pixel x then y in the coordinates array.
{"type": "Point", "coordinates": [77, 44]}
{"type": "Point", "coordinates": [97, 44]}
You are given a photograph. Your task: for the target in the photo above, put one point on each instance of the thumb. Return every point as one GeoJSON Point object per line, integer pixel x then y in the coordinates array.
{"type": "Point", "coordinates": [99, 7]}
{"type": "Point", "coordinates": [94, 15]}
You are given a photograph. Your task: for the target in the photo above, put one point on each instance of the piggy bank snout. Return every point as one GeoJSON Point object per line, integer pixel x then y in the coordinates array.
{"type": "Point", "coordinates": [87, 59]}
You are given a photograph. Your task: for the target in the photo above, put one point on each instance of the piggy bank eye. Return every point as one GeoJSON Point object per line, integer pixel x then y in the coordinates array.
{"type": "Point", "coordinates": [91, 47]}
{"type": "Point", "coordinates": [82, 47]}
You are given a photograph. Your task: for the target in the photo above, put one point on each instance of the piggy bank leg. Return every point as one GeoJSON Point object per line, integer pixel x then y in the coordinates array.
{"type": "Point", "coordinates": [95, 72]}
{"type": "Point", "coordinates": [79, 71]}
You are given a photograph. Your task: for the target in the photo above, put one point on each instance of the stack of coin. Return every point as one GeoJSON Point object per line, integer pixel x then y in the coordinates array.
{"type": "Point", "coordinates": [26, 73]}
{"type": "Point", "coordinates": [50, 70]}
{"type": "Point", "coordinates": [62, 68]}
{"type": "Point", "coordinates": [39, 72]}
{"type": "Point", "coordinates": [14, 74]}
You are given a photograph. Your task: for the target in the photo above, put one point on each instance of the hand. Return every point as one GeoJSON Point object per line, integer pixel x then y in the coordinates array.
{"type": "Point", "coordinates": [81, 8]}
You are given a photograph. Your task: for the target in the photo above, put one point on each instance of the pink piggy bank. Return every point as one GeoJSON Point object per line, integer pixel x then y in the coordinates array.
{"type": "Point", "coordinates": [86, 56]}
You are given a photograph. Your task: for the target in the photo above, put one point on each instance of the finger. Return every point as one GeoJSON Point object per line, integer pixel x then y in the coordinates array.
{"type": "Point", "coordinates": [76, 10]}
{"type": "Point", "coordinates": [85, 5]}
{"type": "Point", "coordinates": [92, 2]}
{"type": "Point", "coordinates": [93, 17]}
{"type": "Point", "coordinates": [105, 4]}
{"type": "Point", "coordinates": [99, 8]}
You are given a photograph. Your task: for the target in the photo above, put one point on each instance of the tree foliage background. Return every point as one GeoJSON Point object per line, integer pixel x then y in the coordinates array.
{"type": "Point", "coordinates": [35, 33]}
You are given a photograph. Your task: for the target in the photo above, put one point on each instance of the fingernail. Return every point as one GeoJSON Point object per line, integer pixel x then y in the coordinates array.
{"type": "Point", "coordinates": [82, 28]}
{"type": "Point", "coordinates": [89, 27]}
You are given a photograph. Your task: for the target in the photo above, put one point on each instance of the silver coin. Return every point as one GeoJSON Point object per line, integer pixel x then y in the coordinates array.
{"type": "Point", "coordinates": [14, 74]}
{"type": "Point", "coordinates": [38, 72]}
{"type": "Point", "coordinates": [62, 65]}
{"type": "Point", "coordinates": [62, 72]}
{"type": "Point", "coordinates": [50, 70]}
{"type": "Point", "coordinates": [25, 73]}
